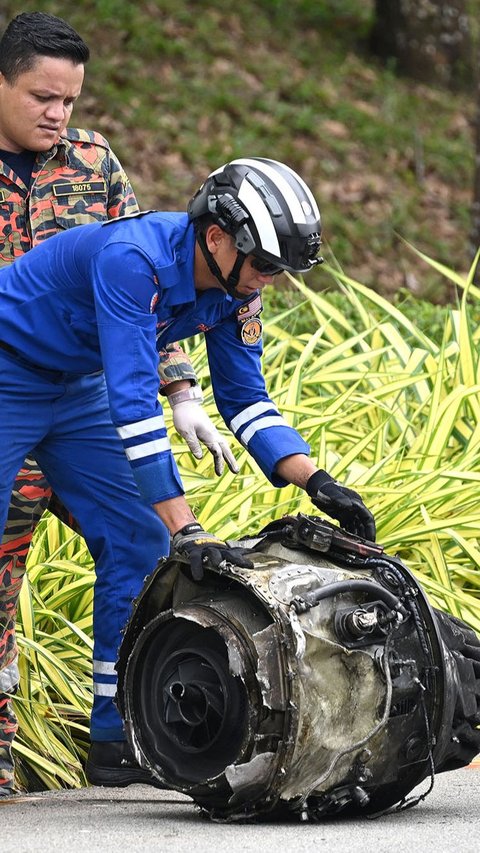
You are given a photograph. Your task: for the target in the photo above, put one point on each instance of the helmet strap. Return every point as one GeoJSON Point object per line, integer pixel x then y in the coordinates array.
{"type": "Point", "coordinates": [231, 282]}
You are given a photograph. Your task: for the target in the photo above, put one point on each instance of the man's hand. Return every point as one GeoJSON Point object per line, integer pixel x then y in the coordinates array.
{"type": "Point", "coordinates": [341, 503]}
{"type": "Point", "coordinates": [201, 548]}
{"type": "Point", "coordinates": [193, 424]}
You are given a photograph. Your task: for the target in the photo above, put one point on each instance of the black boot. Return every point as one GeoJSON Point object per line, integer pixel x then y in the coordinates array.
{"type": "Point", "coordinates": [112, 765]}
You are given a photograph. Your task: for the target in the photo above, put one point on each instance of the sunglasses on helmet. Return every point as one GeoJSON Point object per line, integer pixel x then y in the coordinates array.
{"type": "Point", "coordinates": [265, 267]}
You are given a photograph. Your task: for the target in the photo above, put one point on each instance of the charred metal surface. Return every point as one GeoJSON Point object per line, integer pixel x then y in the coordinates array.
{"type": "Point", "coordinates": [319, 682]}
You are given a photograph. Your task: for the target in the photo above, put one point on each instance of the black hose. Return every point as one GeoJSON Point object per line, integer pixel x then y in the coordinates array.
{"type": "Point", "coordinates": [313, 598]}
{"type": "Point", "coordinates": [413, 607]}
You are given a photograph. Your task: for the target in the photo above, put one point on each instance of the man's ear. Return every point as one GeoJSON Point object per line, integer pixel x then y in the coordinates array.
{"type": "Point", "coordinates": [214, 237]}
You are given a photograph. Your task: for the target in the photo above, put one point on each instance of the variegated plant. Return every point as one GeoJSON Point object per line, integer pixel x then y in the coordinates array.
{"type": "Point", "coordinates": [386, 410]}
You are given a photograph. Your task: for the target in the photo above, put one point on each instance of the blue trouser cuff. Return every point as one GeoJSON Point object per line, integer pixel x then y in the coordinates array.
{"type": "Point", "coordinates": [113, 733]}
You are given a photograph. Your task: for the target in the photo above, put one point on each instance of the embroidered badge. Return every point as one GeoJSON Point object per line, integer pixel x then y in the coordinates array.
{"type": "Point", "coordinates": [250, 325]}
{"type": "Point", "coordinates": [251, 331]}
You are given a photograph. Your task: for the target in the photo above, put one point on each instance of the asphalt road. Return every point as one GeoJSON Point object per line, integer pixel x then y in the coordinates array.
{"type": "Point", "coordinates": [143, 819]}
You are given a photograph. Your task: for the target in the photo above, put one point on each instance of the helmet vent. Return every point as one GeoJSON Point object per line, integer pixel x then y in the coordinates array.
{"type": "Point", "coordinates": [266, 194]}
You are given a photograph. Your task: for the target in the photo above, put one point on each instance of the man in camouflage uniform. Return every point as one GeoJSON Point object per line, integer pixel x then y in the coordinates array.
{"type": "Point", "coordinates": [53, 178]}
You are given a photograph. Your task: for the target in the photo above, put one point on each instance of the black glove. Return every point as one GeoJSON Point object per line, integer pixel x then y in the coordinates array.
{"type": "Point", "coordinates": [341, 503]}
{"type": "Point", "coordinates": [200, 547]}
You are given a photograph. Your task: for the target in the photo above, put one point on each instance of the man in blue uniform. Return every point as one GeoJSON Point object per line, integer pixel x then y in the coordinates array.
{"type": "Point", "coordinates": [82, 317]}
{"type": "Point", "coordinates": [54, 177]}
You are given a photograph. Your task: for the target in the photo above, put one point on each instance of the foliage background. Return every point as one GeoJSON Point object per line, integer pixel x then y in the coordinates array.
{"type": "Point", "coordinates": [386, 409]}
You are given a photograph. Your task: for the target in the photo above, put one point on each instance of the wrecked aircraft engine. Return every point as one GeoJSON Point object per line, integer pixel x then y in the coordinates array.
{"type": "Point", "coordinates": [319, 682]}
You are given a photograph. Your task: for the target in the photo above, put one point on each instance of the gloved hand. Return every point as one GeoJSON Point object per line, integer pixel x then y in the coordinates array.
{"type": "Point", "coordinates": [200, 548]}
{"type": "Point", "coordinates": [193, 424]}
{"type": "Point", "coordinates": [341, 503]}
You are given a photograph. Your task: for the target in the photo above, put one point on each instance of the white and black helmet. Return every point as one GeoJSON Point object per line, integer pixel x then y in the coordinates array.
{"type": "Point", "coordinates": [268, 210]}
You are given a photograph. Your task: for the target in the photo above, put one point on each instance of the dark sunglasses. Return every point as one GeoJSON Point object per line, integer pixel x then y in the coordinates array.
{"type": "Point", "coordinates": [265, 267]}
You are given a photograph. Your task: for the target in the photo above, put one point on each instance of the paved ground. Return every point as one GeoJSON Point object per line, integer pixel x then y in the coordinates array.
{"type": "Point", "coordinates": [140, 819]}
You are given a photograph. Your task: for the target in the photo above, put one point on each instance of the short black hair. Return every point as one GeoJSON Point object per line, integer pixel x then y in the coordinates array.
{"type": "Point", "coordinates": [202, 223]}
{"type": "Point", "coordinates": [34, 34]}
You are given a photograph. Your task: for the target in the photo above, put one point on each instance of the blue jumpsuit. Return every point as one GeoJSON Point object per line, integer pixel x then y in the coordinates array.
{"type": "Point", "coordinates": [81, 319]}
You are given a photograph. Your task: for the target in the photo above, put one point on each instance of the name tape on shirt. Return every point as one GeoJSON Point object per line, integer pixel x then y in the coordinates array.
{"type": "Point", "coordinates": [79, 188]}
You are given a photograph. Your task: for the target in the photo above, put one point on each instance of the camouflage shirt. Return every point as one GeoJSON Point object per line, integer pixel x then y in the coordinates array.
{"type": "Point", "coordinates": [79, 180]}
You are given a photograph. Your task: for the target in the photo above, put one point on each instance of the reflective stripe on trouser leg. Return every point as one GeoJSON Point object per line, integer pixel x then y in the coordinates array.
{"type": "Point", "coordinates": [104, 690]}
{"type": "Point", "coordinates": [85, 463]}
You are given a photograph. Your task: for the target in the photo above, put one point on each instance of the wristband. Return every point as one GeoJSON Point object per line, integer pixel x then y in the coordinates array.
{"type": "Point", "coordinates": [316, 481]}
{"type": "Point", "coordinates": [193, 393]}
{"type": "Point", "coordinates": [191, 527]}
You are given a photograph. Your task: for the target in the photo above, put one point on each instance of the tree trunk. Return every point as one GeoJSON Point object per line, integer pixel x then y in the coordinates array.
{"type": "Point", "coordinates": [428, 39]}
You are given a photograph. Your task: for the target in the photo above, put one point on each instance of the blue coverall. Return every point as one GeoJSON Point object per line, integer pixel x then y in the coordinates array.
{"type": "Point", "coordinates": [81, 319]}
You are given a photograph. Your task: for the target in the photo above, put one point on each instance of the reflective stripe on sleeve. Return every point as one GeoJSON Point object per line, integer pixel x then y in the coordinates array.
{"type": "Point", "coordinates": [262, 423]}
{"type": "Point", "coordinates": [144, 439]}
{"type": "Point", "coordinates": [250, 413]}
{"type": "Point", "coordinates": [141, 427]}
{"type": "Point", "coordinates": [160, 445]}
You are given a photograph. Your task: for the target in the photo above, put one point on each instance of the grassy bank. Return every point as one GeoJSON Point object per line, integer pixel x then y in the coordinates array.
{"type": "Point", "coordinates": [179, 87]}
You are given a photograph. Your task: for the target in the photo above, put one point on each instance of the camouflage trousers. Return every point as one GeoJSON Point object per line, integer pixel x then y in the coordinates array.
{"type": "Point", "coordinates": [29, 499]}
{"type": "Point", "coordinates": [10, 583]}
{"type": "Point", "coordinates": [8, 728]}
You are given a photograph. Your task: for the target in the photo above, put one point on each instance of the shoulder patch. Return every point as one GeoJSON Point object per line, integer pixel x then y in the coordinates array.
{"type": "Point", "coordinates": [128, 216]}
{"type": "Point", "coordinates": [78, 134]}
{"type": "Point", "coordinates": [251, 309]}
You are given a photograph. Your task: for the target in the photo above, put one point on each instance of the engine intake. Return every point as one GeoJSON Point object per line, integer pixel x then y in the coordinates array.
{"type": "Point", "coordinates": [319, 682]}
